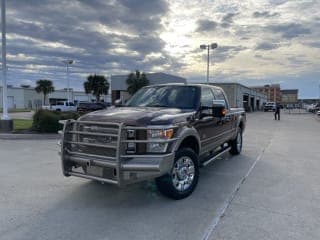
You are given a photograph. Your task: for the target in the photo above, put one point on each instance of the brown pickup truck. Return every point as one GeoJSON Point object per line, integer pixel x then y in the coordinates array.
{"type": "Point", "coordinates": [164, 132]}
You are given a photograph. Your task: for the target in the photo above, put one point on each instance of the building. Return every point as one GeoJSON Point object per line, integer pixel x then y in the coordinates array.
{"type": "Point", "coordinates": [289, 96]}
{"type": "Point", "coordinates": [28, 98]}
{"type": "Point", "coordinates": [272, 91]}
{"type": "Point", "coordinates": [119, 83]}
{"type": "Point", "coordinates": [242, 96]}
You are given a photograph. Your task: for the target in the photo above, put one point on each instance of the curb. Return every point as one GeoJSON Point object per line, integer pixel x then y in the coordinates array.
{"type": "Point", "coordinates": [26, 136]}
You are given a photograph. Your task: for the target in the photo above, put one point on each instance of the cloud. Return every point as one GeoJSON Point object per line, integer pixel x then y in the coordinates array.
{"type": "Point", "coordinates": [206, 25]}
{"type": "Point", "coordinates": [265, 14]}
{"type": "Point", "coordinates": [223, 53]}
{"type": "Point", "coordinates": [227, 19]}
{"type": "Point", "coordinates": [267, 46]}
{"type": "Point", "coordinates": [289, 30]}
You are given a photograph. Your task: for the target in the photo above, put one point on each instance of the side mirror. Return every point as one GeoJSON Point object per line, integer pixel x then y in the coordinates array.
{"type": "Point", "coordinates": [219, 108]}
{"type": "Point", "coordinates": [118, 103]}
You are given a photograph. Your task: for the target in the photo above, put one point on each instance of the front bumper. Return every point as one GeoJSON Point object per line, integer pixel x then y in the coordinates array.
{"type": "Point", "coordinates": [120, 169]}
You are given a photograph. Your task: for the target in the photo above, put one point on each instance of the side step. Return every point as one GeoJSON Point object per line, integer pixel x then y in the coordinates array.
{"type": "Point", "coordinates": [221, 152]}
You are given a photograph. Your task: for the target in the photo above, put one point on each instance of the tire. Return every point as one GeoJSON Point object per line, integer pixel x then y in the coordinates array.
{"type": "Point", "coordinates": [178, 185]}
{"type": "Point", "coordinates": [236, 144]}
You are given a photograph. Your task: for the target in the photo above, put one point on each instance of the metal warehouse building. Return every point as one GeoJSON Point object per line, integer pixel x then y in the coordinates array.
{"type": "Point", "coordinates": [119, 83]}
{"type": "Point", "coordinates": [242, 96]}
{"type": "Point", "coordinates": [28, 98]}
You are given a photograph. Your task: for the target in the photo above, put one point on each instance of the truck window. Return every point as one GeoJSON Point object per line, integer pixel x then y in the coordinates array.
{"type": "Point", "coordinates": [219, 95]}
{"type": "Point", "coordinates": [207, 97]}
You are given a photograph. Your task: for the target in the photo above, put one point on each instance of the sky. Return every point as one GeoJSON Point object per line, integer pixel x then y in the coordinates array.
{"type": "Point", "coordinates": [259, 41]}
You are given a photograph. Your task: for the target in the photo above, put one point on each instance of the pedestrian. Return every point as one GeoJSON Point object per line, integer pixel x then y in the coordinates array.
{"type": "Point", "coordinates": [277, 112]}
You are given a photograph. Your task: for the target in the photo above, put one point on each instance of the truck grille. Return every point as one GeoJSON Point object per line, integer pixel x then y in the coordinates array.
{"type": "Point", "coordinates": [93, 138]}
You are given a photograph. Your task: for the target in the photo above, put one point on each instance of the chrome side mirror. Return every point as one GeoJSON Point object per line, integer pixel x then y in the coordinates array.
{"type": "Point", "coordinates": [219, 108]}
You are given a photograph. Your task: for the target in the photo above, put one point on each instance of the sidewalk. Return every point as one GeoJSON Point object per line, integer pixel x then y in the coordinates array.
{"type": "Point", "coordinates": [280, 197]}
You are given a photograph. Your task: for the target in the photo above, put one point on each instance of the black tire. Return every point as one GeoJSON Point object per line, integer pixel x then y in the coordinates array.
{"type": "Point", "coordinates": [168, 184]}
{"type": "Point", "coordinates": [236, 144]}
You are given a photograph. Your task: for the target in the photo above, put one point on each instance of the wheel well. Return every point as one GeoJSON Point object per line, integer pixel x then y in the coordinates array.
{"type": "Point", "coordinates": [241, 125]}
{"type": "Point", "coordinates": [190, 142]}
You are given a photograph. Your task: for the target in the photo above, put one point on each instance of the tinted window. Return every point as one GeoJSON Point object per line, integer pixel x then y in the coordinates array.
{"type": "Point", "coordinates": [185, 97]}
{"type": "Point", "coordinates": [219, 95]}
{"type": "Point", "coordinates": [206, 97]}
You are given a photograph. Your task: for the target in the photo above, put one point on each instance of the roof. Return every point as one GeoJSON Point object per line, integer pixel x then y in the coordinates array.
{"type": "Point", "coordinates": [187, 84]}
{"type": "Point", "coordinates": [289, 91]}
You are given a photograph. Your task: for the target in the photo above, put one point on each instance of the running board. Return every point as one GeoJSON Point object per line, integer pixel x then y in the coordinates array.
{"type": "Point", "coordinates": [215, 157]}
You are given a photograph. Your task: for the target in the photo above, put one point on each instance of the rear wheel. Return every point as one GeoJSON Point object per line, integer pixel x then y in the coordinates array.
{"type": "Point", "coordinates": [236, 144]}
{"type": "Point", "coordinates": [183, 177]}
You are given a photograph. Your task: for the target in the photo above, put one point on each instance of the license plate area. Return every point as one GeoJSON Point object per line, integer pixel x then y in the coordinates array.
{"type": "Point", "coordinates": [95, 171]}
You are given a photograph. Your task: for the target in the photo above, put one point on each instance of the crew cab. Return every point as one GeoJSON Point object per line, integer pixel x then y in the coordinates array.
{"type": "Point", "coordinates": [164, 132]}
{"type": "Point", "coordinates": [63, 106]}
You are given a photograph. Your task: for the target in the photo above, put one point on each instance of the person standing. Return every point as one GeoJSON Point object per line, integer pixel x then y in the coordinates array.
{"type": "Point", "coordinates": [277, 112]}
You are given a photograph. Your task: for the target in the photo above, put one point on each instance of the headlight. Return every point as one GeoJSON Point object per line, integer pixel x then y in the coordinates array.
{"type": "Point", "coordinates": [159, 134]}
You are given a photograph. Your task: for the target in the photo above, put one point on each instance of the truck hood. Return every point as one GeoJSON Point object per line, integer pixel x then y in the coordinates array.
{"type": "Point", "coordinates": [139, 116]}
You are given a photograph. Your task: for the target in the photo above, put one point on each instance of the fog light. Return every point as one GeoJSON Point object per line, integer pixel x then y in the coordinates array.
{"type": "Point", "coordinates": [157, 147]}
{"type": "Point", "coordinates": [131, 147]}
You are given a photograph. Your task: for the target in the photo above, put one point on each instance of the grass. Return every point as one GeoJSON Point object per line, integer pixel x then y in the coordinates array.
{"type": "Point", "coordinates": [21, 124]}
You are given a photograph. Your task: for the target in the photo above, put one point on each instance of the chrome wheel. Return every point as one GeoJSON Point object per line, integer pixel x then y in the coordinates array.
{"type": "Point", "coordinates": [239, 141]}
{"type": "Point", "coordinates": [183, 173]}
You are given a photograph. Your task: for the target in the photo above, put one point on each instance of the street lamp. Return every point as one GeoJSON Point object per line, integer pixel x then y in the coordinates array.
{"type": "Point", "coordinates": [68, 62]}
{"type": "Point", "coordinates": [208, 47]}
{"type": "Point", "coordinates": [6, 123]}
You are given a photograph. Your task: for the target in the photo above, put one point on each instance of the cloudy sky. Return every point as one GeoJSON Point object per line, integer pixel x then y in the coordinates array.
{"type": "Point", "coordinates": [259, 41]}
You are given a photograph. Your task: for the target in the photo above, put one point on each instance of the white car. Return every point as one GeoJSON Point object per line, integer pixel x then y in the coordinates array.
{"type": "Point", "coordinates": [61, 107]}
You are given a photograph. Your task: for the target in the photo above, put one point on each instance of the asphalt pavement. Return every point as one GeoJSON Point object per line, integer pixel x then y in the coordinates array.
{"type": "Point", "coordinates": [270, 191]}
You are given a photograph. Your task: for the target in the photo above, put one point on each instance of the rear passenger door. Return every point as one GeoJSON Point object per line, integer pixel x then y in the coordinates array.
{"type": "Point", "coordinates": [209, 128]}
{"type": "Point", "coordinates": [228, 121]}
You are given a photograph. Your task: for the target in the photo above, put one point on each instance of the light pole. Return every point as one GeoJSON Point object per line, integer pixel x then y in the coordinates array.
{"type": "Point", "coordinates": [4, 63]}
{"type": "Point", "coordinates": [68, 62]}
{"type": "Point", "coordinates": [208, 47]}
{"type": "Point", "coordinates": [6, 123]}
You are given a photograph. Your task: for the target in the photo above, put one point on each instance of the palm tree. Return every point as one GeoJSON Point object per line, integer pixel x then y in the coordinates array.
{"type": "Point", "coordinates": [135, 81]}
{"type": "Point", "coordinates": [96, 85]}
{"type": "Point", "coordinates": [44, 86]}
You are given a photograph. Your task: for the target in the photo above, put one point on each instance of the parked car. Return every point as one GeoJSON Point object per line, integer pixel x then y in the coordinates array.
{"type": "Point", "coordinates": [269, 106]}
{"type": "Point", "coordinates": [90, 106]}
{"type": "Point", "coordinates": [63, 106]}
{"type": "Point", "coordinates": [164, 132]}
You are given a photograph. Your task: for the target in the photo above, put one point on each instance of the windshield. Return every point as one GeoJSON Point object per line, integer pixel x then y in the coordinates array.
{"type": "Point", "coordinates": [185, 97]}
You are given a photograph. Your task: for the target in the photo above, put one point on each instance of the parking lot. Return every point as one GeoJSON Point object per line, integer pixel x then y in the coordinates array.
{"type": "Point", "coordinates": [270, 191]}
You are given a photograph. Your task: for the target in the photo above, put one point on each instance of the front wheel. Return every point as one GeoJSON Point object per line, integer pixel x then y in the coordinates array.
{"type": "Point", "coordinates": [236, 144]}
{"type": "Point", "coordinates": [183, 177]}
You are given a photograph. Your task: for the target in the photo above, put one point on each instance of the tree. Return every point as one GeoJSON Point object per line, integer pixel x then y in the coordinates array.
{"type": "Point", "coordinates": [44, 86]}
{"type": "Point", "coordinates": [96, 85]}
{"type": "Point", "coordinates": [135, 81]}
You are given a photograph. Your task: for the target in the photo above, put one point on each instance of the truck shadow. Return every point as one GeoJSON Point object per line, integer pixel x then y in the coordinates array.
{"type": "Point", "coordinates": [95, 210]}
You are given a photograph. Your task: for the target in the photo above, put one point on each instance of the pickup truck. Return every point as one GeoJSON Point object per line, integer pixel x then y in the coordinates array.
{"type": "Point", "coordinates": [61, 107]}
{"type": "Point", "coordinates": [164, 132]}
{"type": "Point", "coordinates": [269, 106]}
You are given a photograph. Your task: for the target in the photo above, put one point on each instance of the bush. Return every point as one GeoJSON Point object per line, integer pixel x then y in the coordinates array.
{"type": "Point", "coordinates": [48, 121]}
